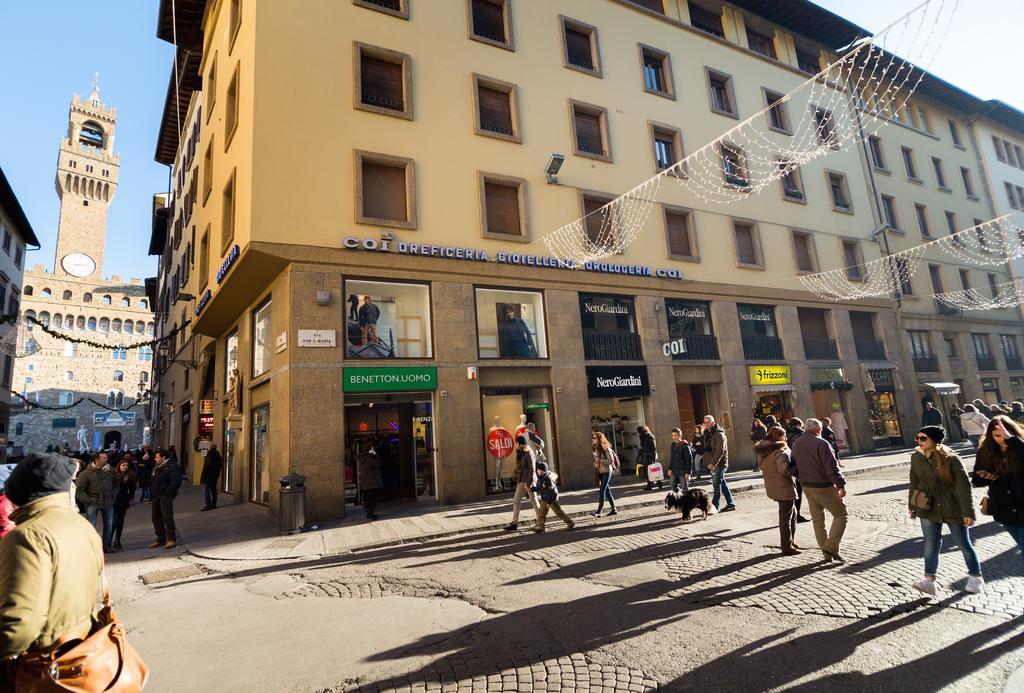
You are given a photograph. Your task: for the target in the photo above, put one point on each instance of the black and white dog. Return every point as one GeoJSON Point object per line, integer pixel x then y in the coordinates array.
{"type": "Point", "coordinates": [688, 501]}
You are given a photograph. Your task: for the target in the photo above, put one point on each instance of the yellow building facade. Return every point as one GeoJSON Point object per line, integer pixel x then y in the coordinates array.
{"type": "Point", "coordinates": [359, 189]}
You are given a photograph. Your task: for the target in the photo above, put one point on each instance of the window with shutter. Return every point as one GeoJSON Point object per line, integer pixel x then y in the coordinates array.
{"type": "Point", "coordinates": [578, 50]}
{"type": "Point", "coordinates": [397, 8]}
{"type": "Point", "coordinates": [489, 20]}
{"type": "Point", "coordinates": [656, 71]}
{"type": "Point", "coordinates": [495, 110]}
{"type": "Point", "coordinates": [501, 201]}
{"type": "Point", "coordinates": [802, 245]}
{"type": "Point", "coordinates": [600, 221]}
{"type": "Point", "coordinates": [589, 138]}
{"type": "Point", "coordinates": [705, 20]}
{"type": "Point", "coordinates": [677, 226]}
{"type": "Point", "coordinates": [384, 191]}
{"type": "Point", "coordinates": [652, 5]}
{"type": "Point", "coordinates": [745, 250]}
{"type": "Point", "coordinates": [759, 43]}
{"type": "Point", "coordinates": [382, 83]}
{"type": "Point", "coordinates": [851, 256]}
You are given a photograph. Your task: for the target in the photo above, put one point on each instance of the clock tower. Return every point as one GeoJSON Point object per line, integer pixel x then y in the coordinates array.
{"type": "Point", "coordinates": [87, 170]}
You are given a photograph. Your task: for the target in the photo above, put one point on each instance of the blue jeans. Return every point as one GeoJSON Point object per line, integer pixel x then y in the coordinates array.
{"type": "Point", "coordinates": [91, 511]}
{"type": "Point", "coordinates": [1017, 532]}
{"type": "Point", "coordinates": [933, 542]}
{"type": "Point", "coordinates": [605, 491]}
{"type": "Point", "coordinates": [721, 487]}
{"type": "Point", "coordinates": [679, 482]}
{"type": "Point", "coordinates": [974, 441]}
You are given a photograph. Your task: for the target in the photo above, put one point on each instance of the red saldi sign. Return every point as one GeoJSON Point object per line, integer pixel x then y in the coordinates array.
{"type": "Point", "coordinates": [500, 443]}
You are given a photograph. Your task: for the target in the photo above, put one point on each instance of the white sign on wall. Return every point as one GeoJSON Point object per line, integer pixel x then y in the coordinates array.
{"type": "Point", "coordinates": [317, 338]}
{"type": "Point", "coordinates": [281, 342]}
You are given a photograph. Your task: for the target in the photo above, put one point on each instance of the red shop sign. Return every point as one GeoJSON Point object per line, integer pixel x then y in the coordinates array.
{"type": "Point", "coordinates": [500, 443]}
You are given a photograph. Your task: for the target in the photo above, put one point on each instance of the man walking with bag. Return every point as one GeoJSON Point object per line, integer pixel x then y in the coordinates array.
{"type": "Point", "coordinates": [50, 563]}
{"type": "Point", "coordinates": [526, 478]}
{"type": "Point", "coordinates": [824, 487]}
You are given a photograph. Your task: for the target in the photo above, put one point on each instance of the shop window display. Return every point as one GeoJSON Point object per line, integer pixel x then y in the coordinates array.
{"type": "Point", "coordinates": [510, 324]}
{"type": "Point", "coordinates": [618, 418]}
{"type": "Point", "coordinates": [387, 320]}
{"type": "Point", "coordinates": [512, 409]}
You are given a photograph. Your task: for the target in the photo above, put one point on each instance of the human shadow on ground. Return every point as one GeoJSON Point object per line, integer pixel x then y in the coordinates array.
{"type": "Point", "coordinates": [544, 632]}
{"type": "Point", "coordinates": [884, 489]}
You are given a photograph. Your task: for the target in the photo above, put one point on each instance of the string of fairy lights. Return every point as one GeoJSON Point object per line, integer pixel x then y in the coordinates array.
{"type": "Point", "coordinates": [878, 74]}
{"type": "Point", "coordinates": [992, 243]}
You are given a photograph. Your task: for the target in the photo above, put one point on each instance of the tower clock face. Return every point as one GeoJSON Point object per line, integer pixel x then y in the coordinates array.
{"type": "Point", "coordinates": [78, 264]}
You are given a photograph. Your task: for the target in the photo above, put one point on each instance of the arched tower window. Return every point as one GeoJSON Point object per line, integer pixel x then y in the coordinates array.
{"type": "Point", "coordinates": [44, 318]}
{"type": "Point", "coordinates": [129, 325]}
{"type": "Point", "coordinates": [75, 187]}
{"type": "Point", "coordinates": [106, 191]}
{"type": "Point", "coordinates": [87, 298]}
{"type": "Point", "coordinates": [28, 290]}
{"type": "Point", "coordinates": [66, 295]}
{"type": "Point", "coordinates": [126, 301]}
{"type": "Point", "coordinates": [91, 326]}
{"type": "Point", "coordinates": [67, 182]}
{"type": "Point", "coordinates": [118, 376]}
{"type": "Point", "coordinates": [115, 398]}
{"type": "Point", "coordinates": [69, 322]}
{"type": "Point", "coordinates": [115, 326]}
{"type": "Point", "coordinates": [66, 398]}
{"type": "Point", "coordinates": [106, 300]}
{"type": "Point", "coordinates": [91, 134]}
{"type": "Point", "coordinates": [46, 293]}
{"type": "Point", "coordinates": [58, 320]}
{"type": "Point", "coordinates": [92, 188]}
{"type": "Point", "coordinates": [143, 303]}
{"type": "Point", "coordinates": [104, 324]}
{"type": "Point", "coordinates": [149, 328]}
{"type": "Point", "coordinates": [80, 322]}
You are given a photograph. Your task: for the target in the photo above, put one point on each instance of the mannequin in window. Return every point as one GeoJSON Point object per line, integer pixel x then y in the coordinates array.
{"type": "Point", "coordinates": [497, 460]}
{"type": "Point", "coordinates": [369, 314]}
{"type": "Point", "coordinates": [514, 338]}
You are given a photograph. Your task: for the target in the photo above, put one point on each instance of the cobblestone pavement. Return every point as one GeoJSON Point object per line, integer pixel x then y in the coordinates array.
{"type": "Point", "coordinates": [641, 603]}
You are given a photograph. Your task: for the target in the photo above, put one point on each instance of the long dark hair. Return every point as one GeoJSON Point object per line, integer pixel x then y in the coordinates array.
{"type": "Point", "coordinates": [991, 456]}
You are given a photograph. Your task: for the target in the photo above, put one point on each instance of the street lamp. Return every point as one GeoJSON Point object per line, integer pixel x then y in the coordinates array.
{"type": "Point", "coordinates": [164, 352]}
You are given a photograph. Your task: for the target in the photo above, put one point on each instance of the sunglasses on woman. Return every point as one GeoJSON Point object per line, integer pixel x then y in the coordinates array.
{"type": "Point", "coordinates": [921, 439]}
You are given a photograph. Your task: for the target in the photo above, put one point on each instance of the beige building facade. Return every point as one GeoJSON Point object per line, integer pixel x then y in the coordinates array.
{"type": "Point", "coordinates": [353, 253]}
{"type": "Point", "coordinates": [83, 395]}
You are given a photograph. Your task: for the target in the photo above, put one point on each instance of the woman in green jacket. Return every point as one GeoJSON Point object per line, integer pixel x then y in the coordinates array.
{"type": "Point", "coordinates": [938, 474]}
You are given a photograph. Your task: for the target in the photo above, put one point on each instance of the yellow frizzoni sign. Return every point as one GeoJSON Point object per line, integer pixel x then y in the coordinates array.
{"type": "Point", "coordinates": [770, 375]}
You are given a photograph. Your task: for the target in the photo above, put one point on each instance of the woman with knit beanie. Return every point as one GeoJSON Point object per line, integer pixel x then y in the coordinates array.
{"type": "Point", "coordinates": [940, 494]}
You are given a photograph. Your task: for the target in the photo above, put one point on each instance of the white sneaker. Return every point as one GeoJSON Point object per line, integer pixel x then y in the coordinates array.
{"type": "Point", "coordinates": [975, 584]}
{"type": "Point", "coordinates": [926, 586]}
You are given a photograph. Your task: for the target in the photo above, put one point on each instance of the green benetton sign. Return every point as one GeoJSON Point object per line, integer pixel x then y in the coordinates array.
{"type": "Point", "coordinates": [535, 406]}
{"type": "Point", "coordinates": [389, 379]}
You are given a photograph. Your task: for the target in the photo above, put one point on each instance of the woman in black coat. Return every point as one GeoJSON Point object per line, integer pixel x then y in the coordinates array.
{"type": "Point", "coordinates": [648, 454]}
{"type": "Point", "coordinates": [999, 465]}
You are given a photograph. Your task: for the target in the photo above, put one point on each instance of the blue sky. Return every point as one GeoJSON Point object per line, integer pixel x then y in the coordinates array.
{"type": "Point", "coordinates": [49, 49]}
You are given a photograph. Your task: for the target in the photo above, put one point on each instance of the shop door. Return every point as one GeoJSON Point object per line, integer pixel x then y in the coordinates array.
{"type": "Point", "coordinates": [389, 429]}
{"type": "Point", "coordinates": [693, 405]}
{"type": "Point", "coordinates": [260, 471]}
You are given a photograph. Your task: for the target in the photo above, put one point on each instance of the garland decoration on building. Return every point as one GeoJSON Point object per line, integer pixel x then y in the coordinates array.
{"type": "Point", "coordinates": [836, 109]}
{"type": "Point", "coordinates": [23, 331]}
{"type": "Point", "coordinates": [1006, 295]}
{"type": "Point", "coordinates": [29, 404]}
{"type": "Point", "coordinates": [991, 244]}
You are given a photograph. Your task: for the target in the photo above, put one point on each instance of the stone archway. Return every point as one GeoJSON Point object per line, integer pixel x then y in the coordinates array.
{"type": "Point", "coordinates": [112, 439]}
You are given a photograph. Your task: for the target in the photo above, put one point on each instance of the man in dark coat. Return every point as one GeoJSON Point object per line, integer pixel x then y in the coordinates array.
{"type": "Point", "coordinates": [144, 474]}
{"type": "Point", "coordinates": [931, 416]}
{"type": "Point", "coordinates": [210, 477]}
{"type": "Point", "coordinates": [794, 431]}
{"type": "Point", "coordinates": [371, 480]}
{"type": "Point", "coordinates": [166, 482]}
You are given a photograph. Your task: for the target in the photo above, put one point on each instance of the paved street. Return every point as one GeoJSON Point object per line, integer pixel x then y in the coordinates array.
{"type": "Point", "coordinates": [645, 602]}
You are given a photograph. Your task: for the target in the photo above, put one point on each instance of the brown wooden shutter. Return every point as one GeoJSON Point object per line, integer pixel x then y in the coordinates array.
{"type": "Point", "coordinates": [599, 225]}
{"type": "Point", "coordinates": [803, 254]}
{"type": "Point", "coordinates": [745, 244]}
{"type": "Point", "coordinates": [502, 203]}
{"type": "Point", "coordinates": [384, 192]}
{"type": "Point", "coordinates": [588, 132]}
{"type": "Point", "coordinates": [678, 234]}
{"type": "Point", "coordinates": [577, 48]}
{"type": "Point", "coordinates": [382, 83]}
{"type": "Point", "coordinates": [653, 5]}
{"type": "Point", "coordinates": [495, 110]}
{"type": "Point", "coordinates": [489, 20]}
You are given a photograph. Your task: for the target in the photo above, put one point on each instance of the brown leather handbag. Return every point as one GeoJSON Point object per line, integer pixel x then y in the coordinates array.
{"type": "Point", "coordinates": [103, 661]}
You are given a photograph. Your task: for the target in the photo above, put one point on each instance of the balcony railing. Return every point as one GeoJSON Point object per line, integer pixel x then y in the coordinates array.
{"type": "Point", "coordinates": [699, 346]}
{"type": "Point", "coordinates": [611, 347]}
{"type": "Point", "coordinates": [762, 348]}
{"type": "Point", "coordinates": [926, 364]}
{"type": "Point", "coordinates": [986, 362]}
{"type": "Point", "coordinates": [946, 309]}
{"type": "Point", "coordinates": [821, 350]}
{"type": "Point", "coordinates": [869, 349]}
{"type": "Point", "coordinates": [1014, 362]}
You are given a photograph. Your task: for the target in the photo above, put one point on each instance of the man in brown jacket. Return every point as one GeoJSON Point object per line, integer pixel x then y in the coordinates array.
{"type": "Point", "coordinates": [824, 487]}
{"type": "Point", "coordinates": [49, 564]}
{"type": "Point", "coordinates": [526, 479]}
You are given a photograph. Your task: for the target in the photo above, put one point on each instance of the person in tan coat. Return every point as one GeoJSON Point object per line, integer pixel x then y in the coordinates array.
{"type": "Point", "coordinates": [50, 564]}
{"type": "Point", "coordinates": [773, 459]}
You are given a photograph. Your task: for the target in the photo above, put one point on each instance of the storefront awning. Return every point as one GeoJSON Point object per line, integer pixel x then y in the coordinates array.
{"type": "Point", "coordinates": [772, 388]}
{"type": "Point", "coordinates": [943, 388]}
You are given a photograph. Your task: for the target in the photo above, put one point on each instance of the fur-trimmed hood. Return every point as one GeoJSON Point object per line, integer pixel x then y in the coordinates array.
{"type": "Point", "coordinates": [765, 447]}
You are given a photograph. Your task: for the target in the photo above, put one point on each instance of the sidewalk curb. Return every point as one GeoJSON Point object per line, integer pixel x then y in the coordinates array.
{"type": "Point", "coordinates": [524, 525]}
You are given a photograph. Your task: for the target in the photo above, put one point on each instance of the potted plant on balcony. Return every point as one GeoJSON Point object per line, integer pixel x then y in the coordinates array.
{"type": "Point", "coordinates": [793, 193]}
{"type": "Point", "coordinates": [737, 181]}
